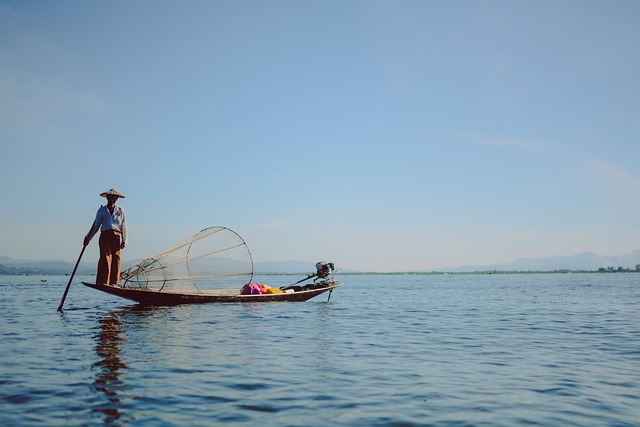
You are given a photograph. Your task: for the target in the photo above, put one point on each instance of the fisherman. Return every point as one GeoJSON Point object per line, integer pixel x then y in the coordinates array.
{"type": "Point", "coordinates": [111, 222]}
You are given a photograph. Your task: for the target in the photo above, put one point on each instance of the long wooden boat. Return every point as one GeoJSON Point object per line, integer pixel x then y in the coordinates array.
{"type": "Point", "coordinates": [150, 297]}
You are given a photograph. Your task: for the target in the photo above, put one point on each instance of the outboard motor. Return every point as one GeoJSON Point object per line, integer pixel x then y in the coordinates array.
{"type": "Point", "coordinates": [324, 269]}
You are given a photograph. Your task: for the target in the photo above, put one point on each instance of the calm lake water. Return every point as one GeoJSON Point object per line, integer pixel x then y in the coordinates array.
{"type": "Point", "coordinates": [387, 350]}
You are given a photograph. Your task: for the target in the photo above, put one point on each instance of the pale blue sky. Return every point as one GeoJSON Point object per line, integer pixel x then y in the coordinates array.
{"type": "Point", "coordinates": [381, 135]}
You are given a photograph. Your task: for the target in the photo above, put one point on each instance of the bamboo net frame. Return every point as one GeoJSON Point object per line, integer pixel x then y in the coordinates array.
{"type": "Point", "coordinates": [213, 258]}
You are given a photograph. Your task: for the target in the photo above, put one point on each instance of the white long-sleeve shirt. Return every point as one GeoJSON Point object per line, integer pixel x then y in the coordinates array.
{"type": "Point", "coordinates": [106, 221]}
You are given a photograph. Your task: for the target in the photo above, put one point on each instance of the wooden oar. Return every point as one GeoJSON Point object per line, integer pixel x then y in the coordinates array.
{"type": "Point", "coordinates": [71, 278]}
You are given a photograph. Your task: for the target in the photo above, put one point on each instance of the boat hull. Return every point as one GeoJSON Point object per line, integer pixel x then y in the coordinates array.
{"type": "Point", "coordinates": [148, 297]}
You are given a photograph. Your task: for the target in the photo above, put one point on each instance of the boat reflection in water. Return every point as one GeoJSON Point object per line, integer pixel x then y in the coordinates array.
{"type": "Point", "coordinates": [110, 368]}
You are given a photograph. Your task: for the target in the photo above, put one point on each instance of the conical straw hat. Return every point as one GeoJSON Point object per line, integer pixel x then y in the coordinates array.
{"type": "Point", "coordinates": [112, 192]}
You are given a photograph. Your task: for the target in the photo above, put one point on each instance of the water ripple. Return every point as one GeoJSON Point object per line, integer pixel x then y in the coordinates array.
{"type": "Point", "coordinates": [459, 350]}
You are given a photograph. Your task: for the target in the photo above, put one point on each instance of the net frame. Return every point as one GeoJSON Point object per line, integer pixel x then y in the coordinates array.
{"type": "Point", "coordinates": [214, 258]}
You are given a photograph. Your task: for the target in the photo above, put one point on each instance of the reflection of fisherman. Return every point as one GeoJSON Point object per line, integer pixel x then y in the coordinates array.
{"type": "Point", "coordinates": [111, 370]}
{"type": "Point", "coordinates": [111, 222]}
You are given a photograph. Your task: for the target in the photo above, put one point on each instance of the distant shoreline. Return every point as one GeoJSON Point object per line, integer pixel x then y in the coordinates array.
{"type": "Point", "coordinates": [587, 262]}
{"type": "Point", "coordinates": [4, 272]}
{"type": "Point", "coordinates": [422, 273]}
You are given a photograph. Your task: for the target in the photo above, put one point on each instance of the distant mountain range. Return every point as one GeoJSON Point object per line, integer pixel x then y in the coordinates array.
{"type": "Point", "coordinates": [49, 267]}
{"type": "Point", "coordinates": [10, 265]}
{"type": "Point", "coordinates": [587, 261]}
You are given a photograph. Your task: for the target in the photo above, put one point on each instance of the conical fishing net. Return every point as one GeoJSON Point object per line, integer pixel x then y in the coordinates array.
{"type": "Point", "coordinates": [214, 258]}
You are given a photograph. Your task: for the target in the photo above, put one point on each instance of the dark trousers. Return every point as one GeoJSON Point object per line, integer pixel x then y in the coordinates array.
{"type": "Point", "coordinates": [109, 263]}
